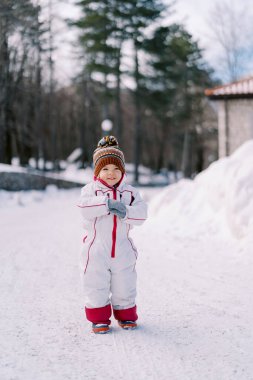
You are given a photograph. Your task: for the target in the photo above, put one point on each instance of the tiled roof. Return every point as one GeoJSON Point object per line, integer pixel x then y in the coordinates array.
{"type": "Point", "coordinates": [243, 87]}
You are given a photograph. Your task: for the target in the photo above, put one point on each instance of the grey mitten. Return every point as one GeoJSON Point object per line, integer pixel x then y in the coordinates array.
{"type": "Point", "coordinates": [117, 208]}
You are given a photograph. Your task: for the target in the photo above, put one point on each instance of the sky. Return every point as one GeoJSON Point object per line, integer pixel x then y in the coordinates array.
{"type": "Point", "coordinates": [197, 16]}
{"type": "Point", "coordinates": [194, 14]}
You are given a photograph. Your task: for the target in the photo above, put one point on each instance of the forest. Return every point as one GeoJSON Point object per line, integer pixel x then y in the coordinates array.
{"type": "Point", "coordinates": [139, 70]}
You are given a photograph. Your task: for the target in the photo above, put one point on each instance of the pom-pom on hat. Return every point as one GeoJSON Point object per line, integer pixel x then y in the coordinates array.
{"type": "Point", "coordinates": [108, 152]}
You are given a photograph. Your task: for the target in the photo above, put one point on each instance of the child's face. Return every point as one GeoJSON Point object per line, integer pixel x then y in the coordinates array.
{"type": "Point", "coordinates": [111, 174]}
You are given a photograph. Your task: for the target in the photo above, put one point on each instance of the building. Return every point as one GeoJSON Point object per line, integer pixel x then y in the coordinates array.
{"type": "Point", "coordinates": [234, 105]}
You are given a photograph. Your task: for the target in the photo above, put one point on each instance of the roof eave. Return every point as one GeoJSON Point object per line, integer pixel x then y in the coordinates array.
{"type": "Point", "coordinates": [230, 96]}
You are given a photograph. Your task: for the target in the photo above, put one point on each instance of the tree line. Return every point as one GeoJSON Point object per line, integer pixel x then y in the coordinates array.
{"type": "Point", "coordinates": [137, 69]}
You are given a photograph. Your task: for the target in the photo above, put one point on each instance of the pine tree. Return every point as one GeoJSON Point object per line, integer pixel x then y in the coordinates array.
{"type": "Point", "coordinates": [97, 27]}
{"type": "Point", "coordinates": [175, 84]}
{"type": "Point", "coordinates": [136, 16]}
{"type": "Point", "coordinates": [106, 25]}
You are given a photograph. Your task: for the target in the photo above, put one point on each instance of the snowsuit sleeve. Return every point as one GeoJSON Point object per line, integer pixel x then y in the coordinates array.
{"type": "Point", "coordinates": [137, 211]}
{"type": "Point", "coordinates": [92, 206]}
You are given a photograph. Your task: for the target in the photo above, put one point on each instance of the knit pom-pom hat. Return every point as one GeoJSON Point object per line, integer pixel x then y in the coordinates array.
{"type": "Point", "coordinates": [108, 152]}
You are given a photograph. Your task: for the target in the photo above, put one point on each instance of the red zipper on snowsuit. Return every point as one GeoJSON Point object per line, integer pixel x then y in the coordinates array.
{"type": "Point", "coordinates": [114, 230]}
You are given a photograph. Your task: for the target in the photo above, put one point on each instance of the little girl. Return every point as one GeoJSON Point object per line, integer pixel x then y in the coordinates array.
{"type": "Point", "coordinates": [110, 208]}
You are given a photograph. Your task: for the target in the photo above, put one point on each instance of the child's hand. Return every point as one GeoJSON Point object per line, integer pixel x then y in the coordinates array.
{"type": "Point", "coordinates": [117, 208]}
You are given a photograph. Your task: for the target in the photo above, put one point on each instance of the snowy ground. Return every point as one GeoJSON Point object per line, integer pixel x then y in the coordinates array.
{"type": "Point", "coordinates": [195, 289]}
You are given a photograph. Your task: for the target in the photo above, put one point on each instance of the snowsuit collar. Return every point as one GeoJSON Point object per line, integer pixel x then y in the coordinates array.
{"type": "Point", "coordinates": [105, 185]}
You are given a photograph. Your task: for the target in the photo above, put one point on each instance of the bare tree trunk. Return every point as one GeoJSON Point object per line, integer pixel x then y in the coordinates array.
{"type": "Point", "coordinates": [85, 120]}
{"type": "Point", "coordinates": [119, 118]}
{"type": "Point", "coordinates": [137, 132]}
{"type": "Point", "coordinates": [162, 146]}
{"type": "Point", "coordinates": [51, 107]}
{"type": "Point", "coordinates": [106, 102]}
{"type": "Point", "coordinates": [4, 75]}
{"type": "Point", "coordinates": [38, 124]}
{"type": "Point", "coordinates": [26, 138]}
{"type": "Point", "coordinates": [186, 166]}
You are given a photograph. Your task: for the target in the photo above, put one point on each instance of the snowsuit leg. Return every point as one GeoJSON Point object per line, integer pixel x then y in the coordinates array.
{"type": "Point", "coordinates": [123, 288]}
{"type": "Point", "coordinates": [96, 283]}
{"type": "Point", "coordinates": [99, 315]}
{"type": "Point", "coordinates": [126, 314]}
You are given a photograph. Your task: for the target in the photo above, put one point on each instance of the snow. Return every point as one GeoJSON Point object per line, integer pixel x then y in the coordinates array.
{"type": "Point", "coordinates": [146, 176]}
{"type": "Point", "coordinates": [195, 286]}
{"type": "Point", "coordinates": [74, 155]}
{"type": "Point", "coordinates": [221, 196]}
{"type": "Point", "coordinates": [11, 168]}
{"type": "Point", "coordinates": [73, 173]}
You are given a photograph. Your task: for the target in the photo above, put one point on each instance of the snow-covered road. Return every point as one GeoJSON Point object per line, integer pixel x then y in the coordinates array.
{"type": "Point", "coordinates": [194, 301]}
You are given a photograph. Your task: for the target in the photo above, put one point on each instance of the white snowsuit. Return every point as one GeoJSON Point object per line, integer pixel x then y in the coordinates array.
{"type": "Point", "coordinates": [109, 255]}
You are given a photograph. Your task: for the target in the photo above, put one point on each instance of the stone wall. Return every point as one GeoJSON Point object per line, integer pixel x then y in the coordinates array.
{"type": "Point", "coordinates": [12, 181]}
{"type": "Point", "coordinates": [240, 124]}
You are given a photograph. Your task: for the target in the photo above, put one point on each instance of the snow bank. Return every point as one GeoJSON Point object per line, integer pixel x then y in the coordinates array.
{"type": "Point", "coordinates": [11, 169]}
{"type": "Point", "coordinates": [12, 199]}
{"type": "Point", "coordinates": [221, 197]}
{"type": "Point", "coordinates": [72, 173]}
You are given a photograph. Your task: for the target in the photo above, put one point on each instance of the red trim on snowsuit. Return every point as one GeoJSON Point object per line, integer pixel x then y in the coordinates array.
{"type": "Point", "coordinates": [135, 219]}
{"type": "Point", "coordinates": [126, 314]}
{"type": "Point", "coordinates": [91, 245]}
{"type": "Point", "coordinates": [106, 184]}
{"type": "Point", "coordinates": [99, 314]}
{"type": "Point", "coordinates": [133, 248]}
{"type": "Point", "coordinates": [101, 204]}
{"type": "Point", "coordinates": [114, 230]}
